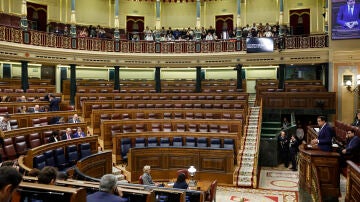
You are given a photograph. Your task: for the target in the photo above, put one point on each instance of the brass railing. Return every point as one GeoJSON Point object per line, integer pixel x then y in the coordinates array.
{"type": "Point", "coordinates": [37, 38]}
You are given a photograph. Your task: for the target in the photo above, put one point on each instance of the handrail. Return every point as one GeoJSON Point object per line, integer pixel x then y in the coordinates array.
{"type": "Point", "coordinates": [37, 38]}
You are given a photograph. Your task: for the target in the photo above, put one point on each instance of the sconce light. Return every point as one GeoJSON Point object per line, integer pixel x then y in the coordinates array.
{"type": "Point", "coordinates": [348, 83]}
{"type": "Point", "coordinates": [192, 171]}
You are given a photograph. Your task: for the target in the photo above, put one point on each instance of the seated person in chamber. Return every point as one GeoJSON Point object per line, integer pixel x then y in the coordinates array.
{"type": "Point", "coordinates": [47, 175]}
{"type": "Point", "coordinates": [74, 119]}
{"type": "Point", "coordinates": [325, 135]}
{"type": "Point", "coordinates": [180, 182]}
{"type": "Point", "coordinates": [10, 180]}
{"type": "Point", "coordinates": [352, 149]}
{"type": "Point", "coordinates": [348, 15]}
{"type": "Point", "coordinates": [146, 177]}
{"type": "Point", "coordinates": [5, 123]}
{"type": "Point", "coordinates": [79, 133]}
{"type": "Point", "coordinates": [108, 191]}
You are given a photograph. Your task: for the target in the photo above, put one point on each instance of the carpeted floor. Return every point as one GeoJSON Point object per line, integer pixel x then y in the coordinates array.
{"type": "Point", "coordinates": [232, 194]}
{"type": "Point", "coordinates": [276, 185]}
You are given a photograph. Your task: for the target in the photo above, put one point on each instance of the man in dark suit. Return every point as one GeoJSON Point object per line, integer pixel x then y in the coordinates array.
{"type": "Point", "coordinates": [349, 15]}
{"type": "Point", "coordinates": [54, 103]}
{"type": "Point", "coordinates": [325, 135]}
{"type": "Point", "coordinates": [352, 149]}
{"type": "Point", "coordinates": [74, 119]}
{"type": "Point", "coordinates": [68, 135]}
{"type": "Point", "coordinates": [107, 191]}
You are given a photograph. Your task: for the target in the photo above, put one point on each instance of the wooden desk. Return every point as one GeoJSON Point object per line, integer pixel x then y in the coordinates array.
{"type": "Point", "coordinates": [327, 167]}
{"type": "Point", "coordinates": [165, 161]}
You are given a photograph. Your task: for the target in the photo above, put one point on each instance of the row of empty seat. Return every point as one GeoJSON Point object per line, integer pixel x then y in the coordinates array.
{"type": "Point", "coordinates": [61, 158]}
{"type": "Point", "coordinates": [164, 97]}
{"type": "Point", "coordinates": [29, 90]}
{"type": "Point", "coordinates": [168, 127]}
{"type": "Point", "coordinates": [167, 115]}
{"type": "Point", "coordinates": [168, 105]}
{"type": "Point", "coordinates": [202, 142]}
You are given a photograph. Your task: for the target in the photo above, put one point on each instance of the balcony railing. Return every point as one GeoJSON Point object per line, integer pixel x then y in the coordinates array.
{"type": "Point", "coordinates": [45, 39]}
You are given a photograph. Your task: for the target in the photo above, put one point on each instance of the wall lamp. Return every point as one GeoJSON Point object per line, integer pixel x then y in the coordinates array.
{"type": "Point", "coordinates": [348, 83]}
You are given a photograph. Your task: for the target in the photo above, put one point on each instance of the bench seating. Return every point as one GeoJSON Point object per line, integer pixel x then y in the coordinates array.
{"type": "Point", "coordinates": [115, 114]}
{"type": "Point", "coordinates": [80, 97]}
{"type": "Point", "coordinates": [19, 141]}
{"type": "Point", "coordinates": [27, 120]}
{"type": "Point", "coordinates": [175, 139]}
{"type": "Point", "coordinates": [27, 161]}
{"type": "Point", "coordinates": [216, 126]}
{"type": "Point", "coordinates": [88, 106]}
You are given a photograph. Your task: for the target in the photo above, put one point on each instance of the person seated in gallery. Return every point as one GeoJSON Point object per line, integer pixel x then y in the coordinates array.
{"type": "Point", "coordinates": [352, 149]}
{"type": "Point", "coordinates": [180, 182]}
{"type": "Point", "coordinates": [357, 120]}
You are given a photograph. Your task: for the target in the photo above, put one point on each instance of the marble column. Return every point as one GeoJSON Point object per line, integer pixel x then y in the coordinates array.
{"type": "Point", "coordinates": [157, 15]}
{"type": "Point", "coordinates": [116, 21]}
{"type": "Point", "coordinates": [23, 19]}
{"type": "Point", "coordinates": [198, 23]}
{"type": "Point", "coordinates": [73, 20]}
{"type": "Point", "coordinates": [281, 8]}
{"type": "Point", "coordinates": [326, 17]}
{"type": "Point", "coordinates": [238, 19]}
{"type": "Point", "coordinates": [24, 75]}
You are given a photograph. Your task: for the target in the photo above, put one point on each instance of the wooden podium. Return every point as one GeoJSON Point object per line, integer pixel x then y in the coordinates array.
{"type": "Point", "coordinates": [319, 173]}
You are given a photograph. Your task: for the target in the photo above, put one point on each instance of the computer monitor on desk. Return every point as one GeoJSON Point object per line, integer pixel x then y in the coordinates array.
{"type": "Point", "coordinates": [317, 130]}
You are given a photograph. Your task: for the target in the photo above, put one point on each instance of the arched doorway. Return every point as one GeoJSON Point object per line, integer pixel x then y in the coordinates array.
{"type": "Point", "coordinates": [224, 25]}
{"type": "Point", "coordinates": [300, 21]}
{"type": "Point", "coordinates": [135, 26]}
{"type": "Point", "coordinates": [37, 16]}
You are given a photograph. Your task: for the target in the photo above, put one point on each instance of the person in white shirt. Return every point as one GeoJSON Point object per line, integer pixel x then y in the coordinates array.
{"type": "Point", "coordinates": [5, 123]}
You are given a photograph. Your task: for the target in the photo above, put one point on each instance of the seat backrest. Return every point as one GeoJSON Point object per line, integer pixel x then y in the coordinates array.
{"type": "Point", "coordinates": [140, 142]}
{"type": "Point", "coordinates": [39, 161]}
{"type": "Point", "coordinates": [212, 194]}
{"type": "Point", "coordinates": [44, 121]}
{"type": "Point", "coordinates": [141, 180]}
{"type": "Point", "coordinates": [60, 157]}
{"type": "Point", "coordinates": [49, 158]}
{"type": "Point", "coordinates": [72, 153]}
{"type": "Point", "coordinates": [46, 135]}
{"type": "Point", "coordinates": [85, 150]}
{"type": "Point", "coordinates": [125, 146]}
{"type": "Point", "coordinates": [14, 124]}
{"type": "Point", "coordinates": [202, 142]}
{"type": "Point", "coordinates": [215, 143]}
{"type": "Point", "coordinates": [180, 127]}
{"type": "Point", "coordinates": [228, 143]}
{"type": "Point", "coordinates": [164, 142]}
{"type": "Point", "coordinates": [9, 148]}
{"type": "Point", "coordinates": [190, 141]}
{"type": "Point", "coordinates": [152, 142]}
{"type": "Point", "coordinates": [36, 122]}
{"type": "Point", "coordinates": [177, 142]}
{"type": "Point", "coordinates": [21, 147]}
